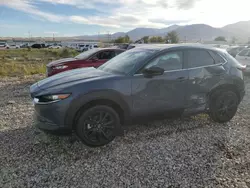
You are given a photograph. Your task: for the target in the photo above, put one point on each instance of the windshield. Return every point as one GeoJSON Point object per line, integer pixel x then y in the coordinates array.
{"type": "Point", "coordinates": [87, 54]}
{"type": "Point", "coordinates": [126, 61]}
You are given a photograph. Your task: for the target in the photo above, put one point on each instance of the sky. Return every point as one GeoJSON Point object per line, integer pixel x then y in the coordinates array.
{"type": "Point", "coordinates": [45, 18]}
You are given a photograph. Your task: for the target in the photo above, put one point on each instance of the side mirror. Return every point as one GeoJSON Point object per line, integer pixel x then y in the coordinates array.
{"type": "Point", "coordinates": [152, 71]}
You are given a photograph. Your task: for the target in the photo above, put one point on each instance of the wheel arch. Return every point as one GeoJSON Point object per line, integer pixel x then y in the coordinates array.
{"type": "Point", "coordinates": [232, 87]}
{"type": "Point", "coordinates": [109, 98]}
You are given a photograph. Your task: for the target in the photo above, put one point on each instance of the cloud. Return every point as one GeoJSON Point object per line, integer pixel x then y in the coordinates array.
{"type": "Point", "coordinates": [185, 4]}
{"type": "Point", "coordinates": [9, 26]}
{"type": "Point", "coordinates": [169, 22]}
{"type": "Point", "coordinates": [125, 14]}
{"type": "Point", "coordinates": [28, 7]}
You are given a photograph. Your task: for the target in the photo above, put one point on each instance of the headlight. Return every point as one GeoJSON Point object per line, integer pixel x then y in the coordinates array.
{"type": "Point", "coordinates": [50, 98]}
{"type": "Point", "coordinates": [60, 67]}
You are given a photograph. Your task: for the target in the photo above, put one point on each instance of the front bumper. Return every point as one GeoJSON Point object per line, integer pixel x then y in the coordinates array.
{"type": "Point", "coordinates": [51, 116]}
{"type": "Point", "coordinates": [45, 124]}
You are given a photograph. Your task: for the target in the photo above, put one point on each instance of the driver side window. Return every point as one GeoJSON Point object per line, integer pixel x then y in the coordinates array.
{"type": "Point", "coordinates": [106, 55]}
{"type": "Point", "coordinates": [168, 61]}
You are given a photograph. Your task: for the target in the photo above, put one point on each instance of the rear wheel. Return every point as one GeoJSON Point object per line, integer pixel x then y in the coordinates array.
{"type": "Point", "coordinates": [223, 105]}
{"type": "Point", "coordinates": [96, 125]}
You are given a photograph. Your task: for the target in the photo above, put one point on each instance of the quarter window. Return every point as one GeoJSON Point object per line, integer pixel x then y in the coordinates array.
{"type": "Point", "coordinates": [169, 61]}
{"type": "Point", "coordinates": [199, 58]}
{"type": "Point", "coordinates": [217, 58]}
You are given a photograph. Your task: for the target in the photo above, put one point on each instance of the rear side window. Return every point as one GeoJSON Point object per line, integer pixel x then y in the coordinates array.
{"type": "Point", "coordinates": [199, 58]}
{"type": "Point", "coordinates": [118, 52]}
{"type": "Point", "coordinates": [217, 58]}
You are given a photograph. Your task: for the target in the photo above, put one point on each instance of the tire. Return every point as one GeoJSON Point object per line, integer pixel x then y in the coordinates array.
{"type": "Point", "coordinates": [90, 125]}
{"type": "Point", "coordinates": [223, 105]}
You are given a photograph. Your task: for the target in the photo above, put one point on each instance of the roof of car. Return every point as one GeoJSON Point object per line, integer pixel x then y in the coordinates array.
{"type": "Point", "coordinates": [177, 46]}
{"type": "Point", "coordinates": [111, 48]}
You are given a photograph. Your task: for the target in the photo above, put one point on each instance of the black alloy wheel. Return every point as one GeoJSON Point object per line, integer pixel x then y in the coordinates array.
{"type": "Point", "coordinates": [96, 126]}
{"type": "Point", "coordinates": [223, 106]}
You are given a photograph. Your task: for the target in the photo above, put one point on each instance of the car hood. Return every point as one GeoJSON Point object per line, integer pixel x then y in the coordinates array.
{"type": "Point", "coordinates": [60, 61]}
{"type": "Point", "coordinates": [71, 76]}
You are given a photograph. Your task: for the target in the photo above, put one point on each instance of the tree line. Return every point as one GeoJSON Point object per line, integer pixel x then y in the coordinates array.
{"type": "Point", "coordinates": [171, 38]}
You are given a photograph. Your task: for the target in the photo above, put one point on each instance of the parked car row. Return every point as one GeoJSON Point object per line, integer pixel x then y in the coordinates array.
{"type": "Point", "coordinates": [4, 45]}
{"type": "Point", "coordinates": [140, 83]}
{"type": "Point", "coordinates": [86, 47]}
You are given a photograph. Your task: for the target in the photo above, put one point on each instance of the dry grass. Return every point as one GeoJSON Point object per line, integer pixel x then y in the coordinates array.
{"type": "Point", "coordinates": [19, 62]}
{"type": "Point", "coordinates": [13, 68]}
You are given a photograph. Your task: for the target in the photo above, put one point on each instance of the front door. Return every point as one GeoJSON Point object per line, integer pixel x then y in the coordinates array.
{"type": "Point", "coordinates": [164, 92]}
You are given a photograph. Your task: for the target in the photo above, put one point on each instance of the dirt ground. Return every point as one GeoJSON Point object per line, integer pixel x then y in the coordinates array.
{"type": "Point", "coordinates": [194, 152]}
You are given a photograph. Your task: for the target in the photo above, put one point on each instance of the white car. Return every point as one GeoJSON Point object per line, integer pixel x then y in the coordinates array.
{"type": "Point", "coordinates": [81, 47]}
{"type": "Point", "coordinates": [55, 47]}
{"type": "Point", "coordinates": [244, 58]}
{"type": "Point", "coordinates": [13, 46]}
{"type": "Point", "coordinates": [4, 45]}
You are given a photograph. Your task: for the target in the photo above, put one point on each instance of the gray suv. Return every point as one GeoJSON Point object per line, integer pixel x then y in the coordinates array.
{"type": "Point", "coordinates": [141, 82]}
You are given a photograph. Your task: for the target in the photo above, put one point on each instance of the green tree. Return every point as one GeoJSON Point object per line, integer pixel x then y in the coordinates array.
{"type": "Point", "coordinates": [145, 39]}
{"type": "Point", "coordinates": [124, 39]}
{"type": "Point", "coordinates": [220, 38]}
{"type": "Point", "coordinates": [160, 39]}
{"type": "Point", "coordinates": [156, 39]}
{"type": "Point", "coordinates": [172, 37]}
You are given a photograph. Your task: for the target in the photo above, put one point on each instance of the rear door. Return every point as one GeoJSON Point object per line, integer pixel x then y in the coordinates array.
{"type": "Point", "coordinates": [205, 69]}
{"type": "Point", "coordinates": [163, 92]}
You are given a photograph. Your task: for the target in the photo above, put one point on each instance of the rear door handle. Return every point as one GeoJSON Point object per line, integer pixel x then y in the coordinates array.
{"type": "Point", "coordinates": [181, 78]}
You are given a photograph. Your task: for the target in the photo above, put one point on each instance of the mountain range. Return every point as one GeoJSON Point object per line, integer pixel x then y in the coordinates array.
{"type": "Point", "coordinates": [195, 32]}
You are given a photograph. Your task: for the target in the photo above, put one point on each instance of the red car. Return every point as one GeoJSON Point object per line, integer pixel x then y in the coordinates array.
{"type": "Point", "coordinates": [91, 58]}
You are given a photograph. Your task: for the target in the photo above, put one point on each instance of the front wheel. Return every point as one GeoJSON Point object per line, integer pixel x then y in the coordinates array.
{"type": "Point", "coordinates": [96, 125]}
{"type": "Point", "coordinates": [223, 105]}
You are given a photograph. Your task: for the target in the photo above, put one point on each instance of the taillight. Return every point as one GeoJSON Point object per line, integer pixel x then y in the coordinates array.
{"type": "Point", "coordinates": [242, 68]}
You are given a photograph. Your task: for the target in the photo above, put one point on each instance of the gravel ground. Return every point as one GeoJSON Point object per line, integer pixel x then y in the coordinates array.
{"type": "Point", "coordinates": [194, 152]}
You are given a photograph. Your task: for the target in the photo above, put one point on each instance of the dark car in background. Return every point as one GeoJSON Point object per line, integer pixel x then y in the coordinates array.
{"type": "Point", "coordinates": [38, 46]}
{"type": "Point", "coordinates": [139, 83]}
{"type": "Point", "coordinates": [91, 58]}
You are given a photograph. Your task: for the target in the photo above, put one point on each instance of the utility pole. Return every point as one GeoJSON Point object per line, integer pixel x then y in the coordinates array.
{"type": "Point", "coordinates": [29, 36]}
{"type": "Point", "coordinates": [108, 36]}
